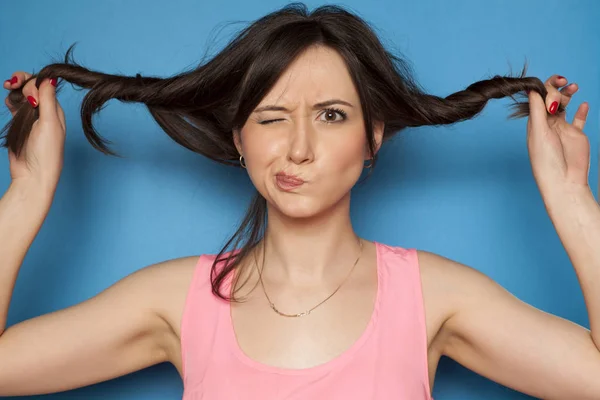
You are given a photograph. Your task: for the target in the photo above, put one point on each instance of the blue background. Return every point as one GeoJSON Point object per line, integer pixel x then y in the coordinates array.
{"type": "Point", "coordinates": [465, 192]}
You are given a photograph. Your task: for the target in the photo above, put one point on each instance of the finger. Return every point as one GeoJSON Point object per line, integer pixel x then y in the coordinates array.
{"type": "Point", "coordinates": [10, 82]}
{"type": "Point", "coordinates": [567, 93]}
{"type": "Point", "coordinates": [48, 101]}
{"type": "Point", "coordinates": [61, 115]}
{"type": "Point", "coordinates": [556, 81]}
{"type": "Point", "coordinates": [581, 115]}
{"type": "Point", "coordinates": [553, 97]}
{"type": "Point", "coordinates": [537, 109]}
{"type": "Point", "coordinates": [31, 93]}
{"type": "Point", "coordinates": [16, 80]}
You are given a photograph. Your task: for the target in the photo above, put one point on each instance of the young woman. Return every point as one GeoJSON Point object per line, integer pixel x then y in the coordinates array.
{"type": "Point", "coordinates": [300, 307]}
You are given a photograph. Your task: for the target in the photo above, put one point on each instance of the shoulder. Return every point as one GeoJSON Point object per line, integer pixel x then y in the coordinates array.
{"type": "Point", "coordinates": [450, 279]}
{"type": "Point", "coordinates": [450, 288]}
{"type": "Point", "coordinates": [166, 277]}
{"type": "Point", "coordinates": [158, 285]}
{"type": "Point", "coordinates": [171, 281]}
{"type": "Point", "coordinates": [164, 289]}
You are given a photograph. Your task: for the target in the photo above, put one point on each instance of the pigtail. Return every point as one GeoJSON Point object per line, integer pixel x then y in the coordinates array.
{"type": "Point", "coordinates": [182, 105]}
{"type": "Point", "coordinates": [426, 109]}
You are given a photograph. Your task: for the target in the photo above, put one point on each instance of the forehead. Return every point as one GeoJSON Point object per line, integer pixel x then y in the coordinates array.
{"type": "Point", "coordinates": [318, 74]}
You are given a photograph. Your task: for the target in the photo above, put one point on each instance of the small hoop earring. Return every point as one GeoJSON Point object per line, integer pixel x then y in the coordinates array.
{"type": "Point", "coordinates": [370, 164]}
{"type": "Point", "coordinates": [242, 162]}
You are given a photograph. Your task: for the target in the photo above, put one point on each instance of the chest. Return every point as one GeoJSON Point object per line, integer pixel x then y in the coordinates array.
{"type": "Point", "coordinates": [331, 329]}
{"type": "Point", "coordinates": [303, 342]}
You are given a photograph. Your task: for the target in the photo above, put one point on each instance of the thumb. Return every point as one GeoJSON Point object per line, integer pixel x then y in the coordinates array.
{"type": "Point", "coordinates": [537, 109]}
{"type": "Point", "coordinates": [47, 106]}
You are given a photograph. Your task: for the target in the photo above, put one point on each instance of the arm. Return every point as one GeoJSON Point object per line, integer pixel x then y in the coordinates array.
{"type": "Point", "coordinates": [576, 218]}
{"type": "Point", "coordinates": [127, 327]}
{"type": "Point", "coordinates": [21, 216]}
{"type": "Point", "coordinates": [496, 335]}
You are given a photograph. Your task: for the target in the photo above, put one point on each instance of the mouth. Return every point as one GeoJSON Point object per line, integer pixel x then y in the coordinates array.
{"type": "Point", "coordinates": [288, 182]}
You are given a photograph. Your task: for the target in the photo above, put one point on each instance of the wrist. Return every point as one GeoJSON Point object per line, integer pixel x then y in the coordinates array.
{"type": "Point", "coordinates": [575, 203]}
{"type": "Point", "coordinates": [32, 192]}
{"type": "Point", "coordinates": [567, 193]}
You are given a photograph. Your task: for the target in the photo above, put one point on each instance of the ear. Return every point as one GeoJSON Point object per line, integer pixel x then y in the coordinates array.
{"type": "Point", "coordinates": [378, 128]}
{"type": "Point", "coordinates": [237, 141]}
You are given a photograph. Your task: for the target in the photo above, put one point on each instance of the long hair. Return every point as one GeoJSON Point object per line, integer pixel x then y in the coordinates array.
{"type": "Point", "coordinates": [200, 108]}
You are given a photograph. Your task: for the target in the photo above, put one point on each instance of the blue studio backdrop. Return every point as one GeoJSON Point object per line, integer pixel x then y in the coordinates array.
{"type": "Point", "coordinates": [466, 192]}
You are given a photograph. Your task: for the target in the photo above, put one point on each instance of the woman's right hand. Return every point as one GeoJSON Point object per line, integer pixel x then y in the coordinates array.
{"type": "Point", "coordinates": [40, 163]}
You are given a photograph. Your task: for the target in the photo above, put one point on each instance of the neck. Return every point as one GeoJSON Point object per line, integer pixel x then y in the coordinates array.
{"type": "Point", "coordinates": [308, 251]}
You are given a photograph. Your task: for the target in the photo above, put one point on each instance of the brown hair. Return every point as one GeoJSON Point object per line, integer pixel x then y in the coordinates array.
{"type": "Point", "coordinates": [199, 109]}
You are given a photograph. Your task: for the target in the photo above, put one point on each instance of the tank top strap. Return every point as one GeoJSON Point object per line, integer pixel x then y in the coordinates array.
{"type": "Point", "coordinates": [199, 323]}
{"type": "Point", "coordinates": [403, 310]}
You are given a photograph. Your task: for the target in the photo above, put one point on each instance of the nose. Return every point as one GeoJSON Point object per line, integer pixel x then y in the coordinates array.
{"type": "Point", "coordinates": [301, 145]}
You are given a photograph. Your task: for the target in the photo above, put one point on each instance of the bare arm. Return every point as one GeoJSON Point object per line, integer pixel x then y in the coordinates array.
{"type": "Point", "coordinates": [128, 327]}
{"type": "Point", "coordinates": [22, 212]}
{"type": "Point", "coordinates": [494, 334]}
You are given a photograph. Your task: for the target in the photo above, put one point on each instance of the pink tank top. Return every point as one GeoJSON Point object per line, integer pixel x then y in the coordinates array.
{"type": "Point", "coordinates": [389, 360]}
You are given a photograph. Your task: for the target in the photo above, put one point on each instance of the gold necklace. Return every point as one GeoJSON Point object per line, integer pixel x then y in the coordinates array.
{"type": "Point", "coordinates": [302, 314]}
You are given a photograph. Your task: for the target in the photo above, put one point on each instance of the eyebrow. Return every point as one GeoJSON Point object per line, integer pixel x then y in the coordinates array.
{"type": "Point", "coordinates": [316, 106]}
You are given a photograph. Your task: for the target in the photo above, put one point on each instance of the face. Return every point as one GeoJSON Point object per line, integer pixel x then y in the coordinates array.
{"type": "Point", "coordinates": [302, 156]}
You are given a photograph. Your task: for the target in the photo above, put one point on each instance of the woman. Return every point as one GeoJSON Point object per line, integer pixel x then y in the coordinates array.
{"type": "Point", "coordinates": [304, 308]}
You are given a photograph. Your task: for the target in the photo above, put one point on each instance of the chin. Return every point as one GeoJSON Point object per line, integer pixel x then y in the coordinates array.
{"type": "Point", "coordinates": [296, 208]}
{"type": "Point", "coordinates": [300, 202]}
{"type": "Point", "coordinates": [302, 207]}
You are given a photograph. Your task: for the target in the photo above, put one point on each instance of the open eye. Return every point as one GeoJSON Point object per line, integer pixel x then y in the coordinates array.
{"type": "Point", "coordinates": [330, 111]}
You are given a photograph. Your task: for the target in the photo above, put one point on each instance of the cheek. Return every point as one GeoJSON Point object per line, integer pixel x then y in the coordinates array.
{"type": "Point", "coordinates": [346, 156]}
{"type": "Point", "coordinates": [260, 151]}
{"type": "Point", "coordinates": [259, 148]}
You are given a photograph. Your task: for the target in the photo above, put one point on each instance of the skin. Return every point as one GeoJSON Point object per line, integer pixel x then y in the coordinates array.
{"type": "Point", "coordinates": [310, 248]}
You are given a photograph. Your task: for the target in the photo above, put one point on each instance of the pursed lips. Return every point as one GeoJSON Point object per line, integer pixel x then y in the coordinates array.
{"type": "Point", "coordinates": [289, 179]}
{"type": "Point", "coordinates": [288, 182]}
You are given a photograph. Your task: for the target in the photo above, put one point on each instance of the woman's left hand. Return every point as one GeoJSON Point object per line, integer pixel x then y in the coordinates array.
{"type": "Point", "coordinates": [559, 151]}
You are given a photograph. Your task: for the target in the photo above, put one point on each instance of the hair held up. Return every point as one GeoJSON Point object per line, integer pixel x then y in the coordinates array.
{"type": "Point", "coordinates": [200, 108]}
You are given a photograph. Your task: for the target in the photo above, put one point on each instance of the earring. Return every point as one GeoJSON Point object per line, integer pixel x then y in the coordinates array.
{"type": "Point", "coordinates": [242, 162]}
{"type": "Point", "coordinates": [370, 164]}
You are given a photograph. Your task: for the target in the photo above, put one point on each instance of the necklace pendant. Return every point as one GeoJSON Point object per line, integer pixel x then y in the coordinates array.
{"type": "Point", "coordinates": [302, 314]}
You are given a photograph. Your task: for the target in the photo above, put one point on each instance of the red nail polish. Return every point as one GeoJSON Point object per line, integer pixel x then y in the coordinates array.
{"type": "Point", "coordinates": [560, 77]}
{"type": "Point", "coordinates": [32, 101]}
{"type": "Point", "coordinates": [53, 82]}
{"type": "Point", "coordinates": [14, 80]}
{"type": "Point", "coordinates": [553, 107]}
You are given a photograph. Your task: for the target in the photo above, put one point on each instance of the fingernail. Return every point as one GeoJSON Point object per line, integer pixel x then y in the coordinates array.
{"type": "Point", "coordinates": [32, 101]}
{"type": "Point", "coordinates": [560, 77]}
{"type": "Point", "coordinates": [553, 107]}
{"type": "Point", "coordinates": [53, 82]}
{"type": "Point", "coordinates": [7, 81]}
{"type": "Point", "coordinates": [14, 80]}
